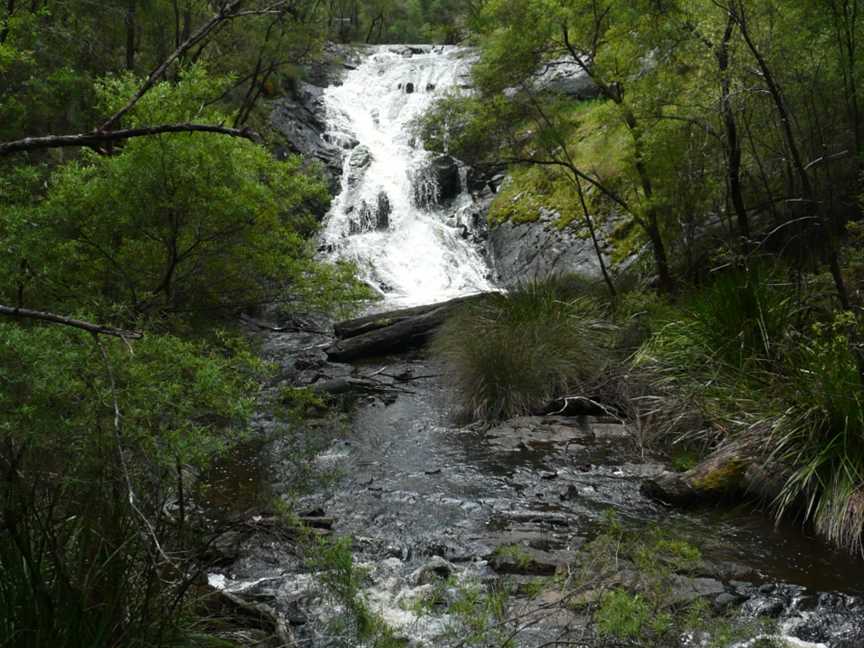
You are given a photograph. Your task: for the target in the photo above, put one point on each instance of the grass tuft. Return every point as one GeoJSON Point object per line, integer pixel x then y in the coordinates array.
{"type": "Point", "coordinates": [754, 359]}
{"type": "Point", "coordinates": [515, 353]}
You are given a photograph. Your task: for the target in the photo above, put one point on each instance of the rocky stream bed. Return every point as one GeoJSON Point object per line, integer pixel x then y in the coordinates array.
{"type": "Point", "coordinates": [434, 509]}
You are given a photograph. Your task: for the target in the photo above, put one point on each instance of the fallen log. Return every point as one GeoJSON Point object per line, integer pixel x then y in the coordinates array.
{"type": "Point", "coordinates": [366, 324]}
{"type": "Point", "coordinates": [735, 470]}
{"type": "Point", "coordinates": [340, 386]}
{"type": "Point", "coordinates": [389, 332]}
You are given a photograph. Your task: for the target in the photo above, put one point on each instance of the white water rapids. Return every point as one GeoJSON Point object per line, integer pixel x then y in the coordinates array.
{"type": "Point", "coordinates": [418, 254]}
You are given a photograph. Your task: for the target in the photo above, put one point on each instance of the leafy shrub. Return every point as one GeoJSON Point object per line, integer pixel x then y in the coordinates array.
{"type": "Point", "coordinates": [172, 223]}
{"type": "Point", "coordinates": [95, 438]}
{"type": "Point", "coordinates": [512, 354]}
{"type": "Point", "coordinates": [741, 317]}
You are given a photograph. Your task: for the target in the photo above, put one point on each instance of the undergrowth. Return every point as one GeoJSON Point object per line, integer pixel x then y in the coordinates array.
{"type": "Point", "coordinates": [757, 360]}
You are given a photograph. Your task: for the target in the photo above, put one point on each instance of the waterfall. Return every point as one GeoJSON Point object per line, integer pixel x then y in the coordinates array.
{"type": "Point", "coordinates": [400, 215]}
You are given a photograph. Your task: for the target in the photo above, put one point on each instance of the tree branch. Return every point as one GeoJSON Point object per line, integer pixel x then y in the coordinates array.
{"type": "Point", "coordinates": [99, 137]}
{"type": "Point", "coordinates": [227, 12]}
{"type": "Point", "coordinates": [95, 329]}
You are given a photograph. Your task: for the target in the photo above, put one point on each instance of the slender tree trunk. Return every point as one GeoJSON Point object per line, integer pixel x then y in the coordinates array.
{"type": "Point", "coordinates": [733, 142]}
{"type": "Point", "coordinates": [845, 14]}
{"type": "Point", "coordinates": [130, 34]}
{"type": "Point", "coordinates": [187, 23]}
{"type": "Point", "coordinates": [809, 194]}
{"type": "Point", "coordinates": [4, 26]}
{"type": "Point", "coordinates": [651, 221]}
{"type": "Point", "coordinates": [665, 282]}
{"type": "Point", "coordinates": [176, 7]}
{"type": "Point", "coordinates": [589, 222]}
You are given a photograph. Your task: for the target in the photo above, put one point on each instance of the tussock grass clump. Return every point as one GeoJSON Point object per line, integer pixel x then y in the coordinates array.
{"type": "Point", "coordinates": [514, 353]}
{"type": "Point", "coordinates": [754, 360]}
{"type": "Point", "coordinates": [819, 434]}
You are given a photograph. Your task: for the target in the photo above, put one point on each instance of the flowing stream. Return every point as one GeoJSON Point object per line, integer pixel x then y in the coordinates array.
{"type": "Point", "coordinates": [423, 497]}
{"type": "Point", "coordinates": [399, 214]}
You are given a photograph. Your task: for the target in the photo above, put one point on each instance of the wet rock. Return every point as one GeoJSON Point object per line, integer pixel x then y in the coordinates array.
{"type": "Point", "coordinates": [686, 590]}
{"type": "Point", "coordinates": [446, 172]}
{"type": "Point", "coordinates": [300, 119]}
{"type": "Point", "coordinates": [382, 216]}
{"type": "Point", "coordinates": [344, 141]}
{"type": "Point", "coordinates": [369, 218]}
{"type": "Point", "coordinates": [408, 51]}
{"type": "Point", "coordinates": [329, 68]}
{"type": "Point", "coordinates": [524, 432]}
{"type": "Point", "coordinates": [434, 570]}
{"type": "Point", "coordinates": [520, 559]}
{"type": "Point", "coordinates": [768, 606]}
{"type": "Point", "coordinates": [358, 163]}
{"type": "Point", "coordinates": [438, 184]}
{"type": "Point", "coordinates": [564, 76]}
{"type": "Point", "coordinates": [725, 601]}
{"type": "Point", "coordinates": [540, 249]}
{"type": "Point", "coordinates": [225, 549]}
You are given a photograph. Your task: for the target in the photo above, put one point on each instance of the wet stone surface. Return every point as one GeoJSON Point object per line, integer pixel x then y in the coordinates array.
{"type": "Point", "coordinates": [431, 506]}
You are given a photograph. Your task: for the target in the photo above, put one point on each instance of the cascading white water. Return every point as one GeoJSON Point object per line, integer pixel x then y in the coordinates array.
{"type": "Point", "coordinates": [387, 219]}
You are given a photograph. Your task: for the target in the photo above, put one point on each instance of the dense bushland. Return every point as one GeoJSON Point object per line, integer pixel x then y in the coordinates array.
{"type": "Point", "coordinates": [750, 355]}
{"type": "Point", "coordinates": [151, 245]}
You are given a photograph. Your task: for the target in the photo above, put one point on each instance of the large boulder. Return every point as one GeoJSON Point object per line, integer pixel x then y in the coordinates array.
{"type": "Point", "coordinates": [371, 217]}
{"type": "Point", "coordinates": [564, 76]}
{"type": "Point", "coordinates": [300, 116]}
{"type": "Point", "coordinates": [300, 119]}
{"type": "Point", "coordinates": [539, 250]}
{"type": "Point", "coordinates": [439, 183]}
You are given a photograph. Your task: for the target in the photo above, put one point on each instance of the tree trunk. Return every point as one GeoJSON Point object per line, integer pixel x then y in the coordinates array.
{"type": "Point", "coordinates": [130, 35]}
{"type": "Point", "coordinates": [4, 27]}
{"type": "Point", "coordinates": [733, 142]}
{"type": "Point", "coordinates": [738, 14]}
{"type": "Point", "coordinates": [589, 222]}
{"type": "Point", "coordinates": [650, 224]}
{"type": "Point", "coordinates": [734, 470]}
{"type": "Point", "coordinates": [389, 332]}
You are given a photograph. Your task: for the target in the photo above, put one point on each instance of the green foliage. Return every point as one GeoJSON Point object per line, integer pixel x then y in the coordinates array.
{"type": "Point", "coordinates": [479, 616]}
{"type": "Point", "coordinates": [164, 235]}
{"type": "Point", "coordinates": [628, 579]}
{"type": "Point", "coordinates": [95, 435]}
{"type": "Point", "coordinates": [819, 434]}
{"type": "Point", "coordinates": [514, 353]}
{"type": "Point", "coordinates": [732, 351]}
{"type": "Point", "coordinates": [740, 317]}
{"type": "Point", "coordinates": [622, 615]}
{"type": "Point", "coordinates": [514, 552]}
{"type": "Point", "coordinates": [403, 21]}
{"type": "Point", "coordinates": [343, 581]}
{"type": "Point", "coordinates": [178, 222]}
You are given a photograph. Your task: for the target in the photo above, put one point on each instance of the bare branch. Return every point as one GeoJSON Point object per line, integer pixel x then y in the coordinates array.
{"type": "Point", "coordinates": [100, 137]}
{"type": "Point", "coordinates": [95, 329]}
{"type": "Point", "coordinates": [227, 12]}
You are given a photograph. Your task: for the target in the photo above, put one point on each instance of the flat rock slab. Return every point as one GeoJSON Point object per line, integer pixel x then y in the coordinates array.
{"type": "Point", "coordinates": [521, 559]}
{"type": "Point", "coordinates": [561, 432]}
